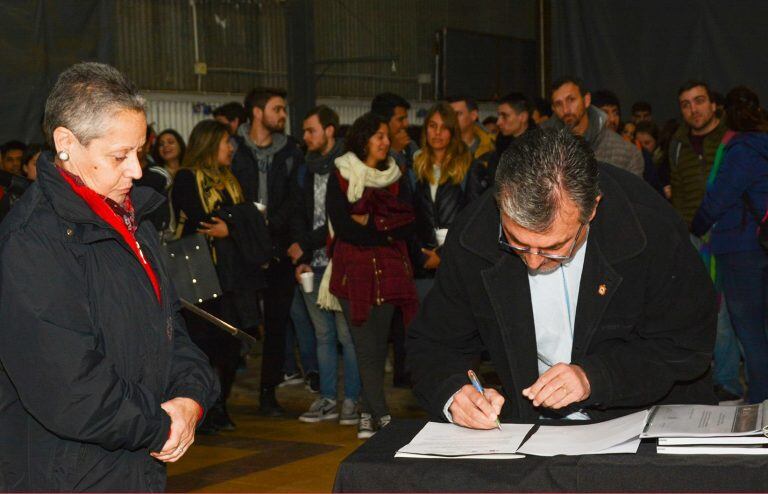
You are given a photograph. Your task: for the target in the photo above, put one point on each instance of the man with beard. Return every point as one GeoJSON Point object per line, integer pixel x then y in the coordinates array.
{"type": "Point", "coordinates": [265, 164]}
{"type": "Point", "coordinates": [608, 102]}
{"type": "Point", "coordinates": [692, 152]}
{"type": "Point", "coordinates": [309, 229]}
{"type": "Point", "coordinates": [693, 147]}
{"type": "Point", "coordinates": [582, 285]}
{"type": "Point", "coordinates": [571, 103]}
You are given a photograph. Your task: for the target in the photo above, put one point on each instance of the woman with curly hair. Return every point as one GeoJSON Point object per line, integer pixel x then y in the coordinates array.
{"type": "Point", "coordinates": [370, 271]}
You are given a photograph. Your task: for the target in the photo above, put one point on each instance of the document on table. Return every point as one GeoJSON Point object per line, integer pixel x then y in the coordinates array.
{"type": "Point", "coordinates": [621, 435]}
{"type": "Point", "coordinates": [706, 420]}
{"type": "Point", "coordinates": [438, 440]}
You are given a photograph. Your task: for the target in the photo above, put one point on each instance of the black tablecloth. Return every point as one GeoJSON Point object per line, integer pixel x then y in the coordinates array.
{"type": "Point", "coordinates": [373, 468]}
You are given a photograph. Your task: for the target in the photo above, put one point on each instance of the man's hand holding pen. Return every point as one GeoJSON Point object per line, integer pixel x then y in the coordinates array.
{"type": "Point", "coordinates": [561, 385]}
{"type": "Point", "coordinates": [474, 410]}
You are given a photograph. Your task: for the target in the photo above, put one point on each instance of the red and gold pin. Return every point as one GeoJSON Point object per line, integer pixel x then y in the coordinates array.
{"type": "Point", "coordinates": [602, 290]}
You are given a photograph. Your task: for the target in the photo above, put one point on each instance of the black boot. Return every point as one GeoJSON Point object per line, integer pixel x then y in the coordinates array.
{"type": "Point", "coordinates": [268, 404]}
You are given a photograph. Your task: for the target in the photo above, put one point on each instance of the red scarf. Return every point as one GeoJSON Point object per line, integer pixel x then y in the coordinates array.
{"type": "Point", "coordinates": [118, 217]}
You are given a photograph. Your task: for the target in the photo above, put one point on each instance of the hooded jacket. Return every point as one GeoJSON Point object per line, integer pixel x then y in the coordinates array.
{"type": "Point", "coordinates": [483, 144]}
{"type": "Point", "coordinates": [743, 174]}
{"type": "Point", "coordinates": [88, 352]}
{"type": "Point", "coordinates": [607, 145]}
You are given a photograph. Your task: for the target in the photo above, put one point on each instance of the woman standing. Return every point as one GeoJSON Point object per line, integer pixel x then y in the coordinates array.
{"type": "Point", "coordinates": [442, 177]}
{"type": "Point", "coordinates": [207, 199]}
{"type": "Point", "coordinates": [99, 378]}
{"type": "Point", "coordinates": [169, 150]}
{"type": "Point", "coordinates": [370, 271]}
{"type": "Point", "coordinates": [735, 203]}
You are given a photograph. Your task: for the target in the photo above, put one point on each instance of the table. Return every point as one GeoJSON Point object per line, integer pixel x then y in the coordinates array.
{"type": "Point", "coordinates": [373, 468]}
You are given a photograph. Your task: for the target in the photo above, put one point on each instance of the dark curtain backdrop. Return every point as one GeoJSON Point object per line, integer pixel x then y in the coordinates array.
{"type": "Point", "coordinates": [40, 38]}
{"type": "Point", "coordinates": [646, 49]}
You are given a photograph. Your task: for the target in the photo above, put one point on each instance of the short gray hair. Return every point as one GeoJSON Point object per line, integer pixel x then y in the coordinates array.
{"type": "Point", "coordinates": [84, 96]}
{"type": "Point", "coordinates": [538, 169]}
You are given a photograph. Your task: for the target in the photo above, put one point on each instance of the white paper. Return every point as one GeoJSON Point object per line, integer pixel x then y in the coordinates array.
{"type": "Point", "coordinates": [712, 450]}
{"type": "Point", "coordinates": [704, 420]}
{"type": "Point", "coordinates": [619, 435]}
{"type": "Point", "coordinates": [681, 441]}
{"type": "Point", "coordinates": [504, 456]}
{"type": "Point", "coordinates": [450, 440]}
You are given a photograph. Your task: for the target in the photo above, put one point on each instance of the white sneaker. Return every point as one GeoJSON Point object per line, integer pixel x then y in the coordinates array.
{"type": "Point", "coordinates": [321, 409]}
{"type": "Point", "coordinates": [383, 422]}
{"type": "Point", "coordinates": [349, 414]}
{"type": "Point", "coordinates": [365, 426]}
{"type": "Point", "coordinates": [291, 379]}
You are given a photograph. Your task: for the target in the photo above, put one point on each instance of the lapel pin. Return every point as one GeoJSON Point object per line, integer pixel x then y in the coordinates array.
{"type": "Point", "coordinates": [602, 290]}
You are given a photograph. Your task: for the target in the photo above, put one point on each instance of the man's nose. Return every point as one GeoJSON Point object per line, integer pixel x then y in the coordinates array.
{"type": "Point", "coordinates": [533, 261]}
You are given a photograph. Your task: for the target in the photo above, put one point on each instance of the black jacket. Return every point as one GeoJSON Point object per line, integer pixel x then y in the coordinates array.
{"type": "Point", "coordinates": [88, 353]}
{"type": "Point", "coordinates": [450, 199]}
{"type": "Point", "coordinates": [302, 219]}
{"type": "Point", "coordinates": [645, 320]}
{"type": "Point", "coordinates": [280, 177]}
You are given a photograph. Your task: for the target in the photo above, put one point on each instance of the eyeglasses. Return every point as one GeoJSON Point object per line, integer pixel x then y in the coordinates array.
{"type": "Point", "coordinates": [527, 250]}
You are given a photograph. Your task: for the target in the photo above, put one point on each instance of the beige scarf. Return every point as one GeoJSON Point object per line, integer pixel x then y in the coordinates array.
{"type": "Point", "coordinates": [359, 176]}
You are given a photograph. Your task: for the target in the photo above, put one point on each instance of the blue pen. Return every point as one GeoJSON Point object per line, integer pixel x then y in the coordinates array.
{"type": "Point", "coordinates": [476, 383]}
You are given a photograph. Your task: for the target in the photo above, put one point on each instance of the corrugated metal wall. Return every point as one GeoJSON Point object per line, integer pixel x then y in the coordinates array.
{"type": "Point", "coordinates": [181, 111]}
{"type": "Point", "coordinates": [155, 43]}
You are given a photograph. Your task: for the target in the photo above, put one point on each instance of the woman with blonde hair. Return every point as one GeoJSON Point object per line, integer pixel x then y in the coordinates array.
{"type": "Point", "coordinates": [207, 199]}
{"type": "Point", "coordinates": [444, 179]}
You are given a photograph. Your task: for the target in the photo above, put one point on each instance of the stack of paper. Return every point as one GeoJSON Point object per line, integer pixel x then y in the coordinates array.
{"type": "Point", "coordinates": [704, 429]}
{"type": "Point", "coordinates": [437, 440]}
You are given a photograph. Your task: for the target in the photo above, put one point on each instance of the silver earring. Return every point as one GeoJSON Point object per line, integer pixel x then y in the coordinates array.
{"type": "Point", "coordinates": [63, 156]}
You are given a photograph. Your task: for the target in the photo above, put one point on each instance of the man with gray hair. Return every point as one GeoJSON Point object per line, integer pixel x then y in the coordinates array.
{"type": "Point", "coordinates": [581, 284]}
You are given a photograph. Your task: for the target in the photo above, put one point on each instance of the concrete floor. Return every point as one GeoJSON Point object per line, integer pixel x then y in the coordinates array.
{"type": "Point", "coordinates": [274, 454]}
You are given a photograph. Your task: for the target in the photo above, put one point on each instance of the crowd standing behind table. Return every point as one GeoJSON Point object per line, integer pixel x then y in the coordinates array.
{"type": "Point", "coordinates": [266, 163]}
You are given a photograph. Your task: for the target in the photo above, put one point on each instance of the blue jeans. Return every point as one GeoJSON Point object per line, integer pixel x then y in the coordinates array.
{"type": "Point", "coordinates": [304, 334]}
{"type": "Point", "coordinates": [744, 276]}
{"type": "Point", "coordinates": [727, 354]}
{"type": "Point", "coordinates": [331, 328]}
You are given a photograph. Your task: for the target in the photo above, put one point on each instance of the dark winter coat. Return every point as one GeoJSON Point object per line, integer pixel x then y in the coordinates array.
{"type": "Point", "coordinates": [743, 174]}
{"type": "Point", "coordinates": [303, 216]}
{"type": "Point", "coordinates": [88, 353]}
{"type": "Point", "coordinates": [645, 320]}
{"type": "Point", "coordinates": [280, 177]}
{"type": "Point", "coordinates": [450, 199]}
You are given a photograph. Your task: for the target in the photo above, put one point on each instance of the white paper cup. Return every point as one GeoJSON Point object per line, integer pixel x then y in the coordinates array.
{"type": "Point", "coordinates": [440, 234]}
{"type": "Point", "coordinates": [307, 281]}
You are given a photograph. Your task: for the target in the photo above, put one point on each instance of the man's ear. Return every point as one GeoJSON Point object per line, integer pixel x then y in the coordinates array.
{"type": "Point", "coordinates": [258, 114]}
{"type": "Point", "coordinates": [594, 210]}
{"type": "Point", "coordinates": [64, 139]}
{"type": "Point", "coordinates": [587, 99]}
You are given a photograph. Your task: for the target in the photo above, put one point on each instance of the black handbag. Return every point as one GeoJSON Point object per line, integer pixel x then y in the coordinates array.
{"type": "Point", "coordinates": [191, 268]}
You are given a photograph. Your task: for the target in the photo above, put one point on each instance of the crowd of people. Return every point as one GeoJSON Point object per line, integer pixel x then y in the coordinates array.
{"type": "Point", "coordinates": [365, 213]}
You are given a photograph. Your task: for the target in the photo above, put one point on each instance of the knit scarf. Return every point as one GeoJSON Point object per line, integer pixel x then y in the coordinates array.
{"type": "Point", "coordinates": [323, 164]}
{"type": "Point", "coordinates": [210, 188]}
{"type": "Point", "coordinates": [359, 176]}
